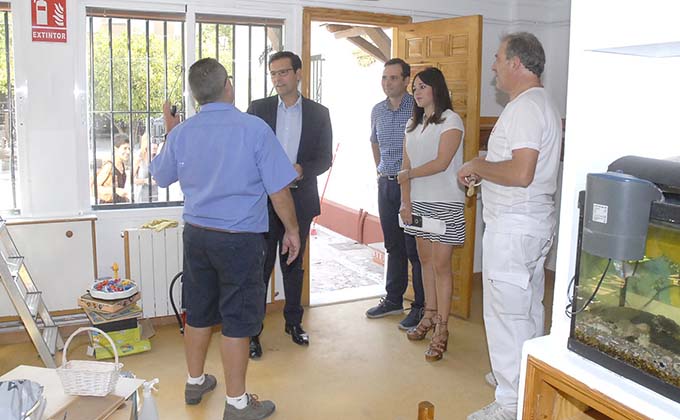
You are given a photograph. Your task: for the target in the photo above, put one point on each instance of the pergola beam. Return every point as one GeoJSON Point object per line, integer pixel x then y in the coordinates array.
{"type": "Point", "coordinates": [379, 45]}
{"type": "Point", "coordinates": [381, 40]}
{"type": "Point", "coordinates": [368, 48]}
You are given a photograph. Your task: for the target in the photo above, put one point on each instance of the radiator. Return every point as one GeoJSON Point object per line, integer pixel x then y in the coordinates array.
{"type": "Point", "coordinates": [152, 259]}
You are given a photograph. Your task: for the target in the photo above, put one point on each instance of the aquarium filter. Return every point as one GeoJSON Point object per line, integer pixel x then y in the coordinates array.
{"type": "Point", "coordinates": [617, 208]}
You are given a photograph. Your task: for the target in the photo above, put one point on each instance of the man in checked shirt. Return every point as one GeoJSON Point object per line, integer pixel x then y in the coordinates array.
{"type": "Point", "coordinates": [388, 122]}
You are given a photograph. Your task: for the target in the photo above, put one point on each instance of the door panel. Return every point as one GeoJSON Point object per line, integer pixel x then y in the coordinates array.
{"type": "Point", "coordinates": [454, 46]}
{"type": "Point", "coordinates": [415, 49]}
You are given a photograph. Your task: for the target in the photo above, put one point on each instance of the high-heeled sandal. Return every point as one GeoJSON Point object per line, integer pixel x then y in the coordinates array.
{"type": "Point", "coordinates": [424, 326]}
{"type": "Point", "coordinates": [439, 343]}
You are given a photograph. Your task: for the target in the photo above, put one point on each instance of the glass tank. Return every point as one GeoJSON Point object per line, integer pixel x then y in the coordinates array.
{"type": "Point", "coordinates": [626, 314]}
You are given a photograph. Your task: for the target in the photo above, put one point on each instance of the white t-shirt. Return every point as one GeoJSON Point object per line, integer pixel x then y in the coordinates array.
{"type": "Point", "coordinates": [422, 147]}
{"type": "Point", "coordinates": [529, 121]}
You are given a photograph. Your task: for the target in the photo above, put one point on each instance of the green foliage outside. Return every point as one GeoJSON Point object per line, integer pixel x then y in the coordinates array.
{"type": "Point", "coordinates": [142, 64]}
{"type": "Point", "coordinates": [217, 45]}
{"type": "Point", "coordinates": [4, 32]}
{"type": "Point", "coordinates": [130, 72]}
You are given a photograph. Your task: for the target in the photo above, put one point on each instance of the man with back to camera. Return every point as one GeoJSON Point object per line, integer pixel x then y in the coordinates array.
{"type": "Point", "coordinates": [304, 129]}
{"type": "Point", "coordinates": [227, 163]}
{"type": "Point", "coordinates": [519, 180]}
{"type": "Point", "coordinates": [388, 123]}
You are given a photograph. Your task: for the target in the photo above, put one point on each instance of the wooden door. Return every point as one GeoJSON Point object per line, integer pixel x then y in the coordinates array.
{"type": "Point", "coordinates": [454, 46]}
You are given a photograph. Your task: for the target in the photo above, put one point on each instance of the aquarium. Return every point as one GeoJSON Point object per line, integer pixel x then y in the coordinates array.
{"type": "Point", "coordinates": [626, 313]}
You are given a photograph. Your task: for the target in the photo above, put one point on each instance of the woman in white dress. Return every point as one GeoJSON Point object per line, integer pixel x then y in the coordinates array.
{"type": "Point", "coordinates": [433, 153]}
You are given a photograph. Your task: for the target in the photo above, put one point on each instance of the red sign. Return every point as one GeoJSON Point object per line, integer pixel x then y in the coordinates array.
{"type": "Point", "coordinates": [49, 20]}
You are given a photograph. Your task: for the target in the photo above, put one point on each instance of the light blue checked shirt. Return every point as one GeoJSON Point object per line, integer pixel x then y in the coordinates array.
{"type": "Point", "coordinates": [387, 129]}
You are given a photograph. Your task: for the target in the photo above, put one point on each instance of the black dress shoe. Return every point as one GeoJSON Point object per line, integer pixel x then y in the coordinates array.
{"type": "Point", "coordinates": [298, 335]}
{"type": "Point", "coordinates": [255, 347]}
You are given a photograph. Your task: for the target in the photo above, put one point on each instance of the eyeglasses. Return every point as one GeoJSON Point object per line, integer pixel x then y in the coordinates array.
{"type": "Point", "coordinates": [283, 72]}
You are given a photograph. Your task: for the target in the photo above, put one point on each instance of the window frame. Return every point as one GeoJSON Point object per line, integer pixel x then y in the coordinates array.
{"type": "Point", "coordinates": [14, 173]}
{"type": "Point", "coordinates": [92, 111]}
{"type": "Point", "coordinates": [233, 21]}
{"type": "Point", "coordinates": [190, 18]}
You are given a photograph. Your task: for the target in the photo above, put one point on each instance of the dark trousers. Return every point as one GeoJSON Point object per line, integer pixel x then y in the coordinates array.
{"type": "Point", "coordinates": [293, 273]}
{"type": "Point", "coordinates": [400, 247]}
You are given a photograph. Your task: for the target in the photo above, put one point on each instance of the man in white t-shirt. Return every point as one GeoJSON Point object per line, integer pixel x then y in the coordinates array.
{"type": "Point", "coordinates": [519, 180]}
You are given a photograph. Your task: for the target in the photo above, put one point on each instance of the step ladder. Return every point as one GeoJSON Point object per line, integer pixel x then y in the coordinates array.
{"type": "Point", "coordinates": [27, 300]}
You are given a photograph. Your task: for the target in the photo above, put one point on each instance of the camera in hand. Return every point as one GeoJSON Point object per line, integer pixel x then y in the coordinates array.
{"type": "Point", "coordinates": [157, 130]}
{"type": "Point", "coordinates": [416, 220]}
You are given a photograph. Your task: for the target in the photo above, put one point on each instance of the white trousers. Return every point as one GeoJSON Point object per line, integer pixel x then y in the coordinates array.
{"type": "Point", "coordinates": [513, 284]}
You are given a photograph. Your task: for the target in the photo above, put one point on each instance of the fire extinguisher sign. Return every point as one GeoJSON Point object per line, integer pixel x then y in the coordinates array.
{"type": "Point", "coordinates": [49, 20]}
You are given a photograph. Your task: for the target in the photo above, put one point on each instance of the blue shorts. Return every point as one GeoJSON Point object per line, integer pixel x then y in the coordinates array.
{"type": "Point", "coordinates": [222, 280]}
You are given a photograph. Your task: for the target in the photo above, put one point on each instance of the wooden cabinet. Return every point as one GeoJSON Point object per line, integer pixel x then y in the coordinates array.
{"type": "Point", "coordinates": [550, 394]}
{"type": "Point", "coordinates": [59, 255]}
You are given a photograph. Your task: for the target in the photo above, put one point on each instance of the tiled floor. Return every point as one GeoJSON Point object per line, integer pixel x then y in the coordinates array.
{"type": "Point", "coordinates": [342, 270]}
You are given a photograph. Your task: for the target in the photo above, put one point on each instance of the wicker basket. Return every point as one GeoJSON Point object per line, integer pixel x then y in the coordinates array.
{"type": "Point", "coordinates": [82, 377]}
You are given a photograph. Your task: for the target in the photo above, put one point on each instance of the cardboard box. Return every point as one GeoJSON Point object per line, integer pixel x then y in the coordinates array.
{"type": "Point", "coordinates": [107, 306]}
{"type": "Point", "coordinates": [124, 349]}
{"type": "Point", "coordinates": [119, 325]}
{"type": "Point", "coordinates": [96, 317]}
{"type": "Point", "coordinates": [119, 337]}
{"type": "Point", "coordinates": [130, 341]}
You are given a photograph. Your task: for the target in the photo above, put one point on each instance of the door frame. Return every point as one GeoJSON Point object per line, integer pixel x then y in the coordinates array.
{"type": "Point", "coordinates": [336, 16]}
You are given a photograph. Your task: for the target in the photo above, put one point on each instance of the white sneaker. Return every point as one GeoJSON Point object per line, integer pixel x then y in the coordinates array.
{"type": "Point", "coordinates": [490, 379]}
{"type": "Point", "coordinates": [493, 411]}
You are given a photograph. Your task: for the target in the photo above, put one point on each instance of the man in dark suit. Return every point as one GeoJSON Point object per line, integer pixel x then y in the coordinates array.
{"type": "Point", "coordinates": [304, 129]}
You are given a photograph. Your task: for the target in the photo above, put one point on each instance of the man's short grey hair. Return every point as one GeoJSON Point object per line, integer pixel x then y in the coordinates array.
{"type": "Point", "coordinates": [207, 79]}
{"type": "Point", "coordinates": [529, 50]}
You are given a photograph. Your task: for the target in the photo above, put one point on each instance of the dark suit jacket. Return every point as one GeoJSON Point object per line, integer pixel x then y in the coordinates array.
{"type": "Point", "coordinates": [314, 154]}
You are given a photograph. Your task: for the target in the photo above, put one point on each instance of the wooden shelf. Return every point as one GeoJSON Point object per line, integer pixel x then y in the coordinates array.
{"type": "Point", "coordinates": [552, 394]}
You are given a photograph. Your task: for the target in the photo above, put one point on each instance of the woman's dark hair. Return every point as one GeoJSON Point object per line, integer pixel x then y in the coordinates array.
{"type": "Point", "coordinates": [120, 139]}
{"type": "Point", "coordinates": [434, 78]}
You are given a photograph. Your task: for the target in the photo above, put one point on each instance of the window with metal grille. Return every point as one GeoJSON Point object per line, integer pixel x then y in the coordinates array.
{"type": "Point", "coordinates": [9, 173]}
{"type": "Point", "coordinates": [242, 46]}
{"type": "Point", "coordinates": [134, 63]}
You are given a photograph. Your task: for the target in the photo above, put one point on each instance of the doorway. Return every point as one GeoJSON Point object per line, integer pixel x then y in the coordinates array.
{"type": "Point", "coordinates": [454, 46]}
{"type": "Point", "coordinates": [343, 57]}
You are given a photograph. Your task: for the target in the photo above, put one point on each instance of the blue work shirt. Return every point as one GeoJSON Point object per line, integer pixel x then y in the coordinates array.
{"type": "Point", "coordinates": [387, 129]}
{"type": "Point", "coordinates": [226, 162]}
{"type": "Point", "coordinates": [289, 127]}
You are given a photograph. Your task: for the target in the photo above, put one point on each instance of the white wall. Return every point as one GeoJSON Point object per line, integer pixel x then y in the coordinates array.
{"type": "Point", "coordinates": [51, 85]}
{"type": "Point", "coordinates": [617, 106]}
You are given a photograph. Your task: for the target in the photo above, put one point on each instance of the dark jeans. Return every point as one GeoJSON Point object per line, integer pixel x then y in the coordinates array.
{"type": "Point", "coordinates": [292, 274]}
{"type": "Point", "coordinates": [221, 281]}
{"type": "Point", "coordinates": [400, 247]}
